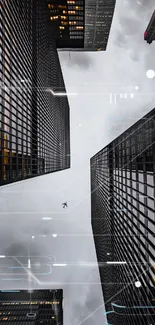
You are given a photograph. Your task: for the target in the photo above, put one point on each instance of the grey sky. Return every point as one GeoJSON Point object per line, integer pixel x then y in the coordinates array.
{"type": "Point", "coordinates": [118, 70]}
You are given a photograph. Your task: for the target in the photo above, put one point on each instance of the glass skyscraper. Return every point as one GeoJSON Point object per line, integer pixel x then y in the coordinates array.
{"type": "Point", "coordinates": [81, 25]}
{"type": "Point", "coordinates": [34, 116]}
{"type": "Point", "coordinates": [38, 307]}
{"type": "Point", "coordinates": [123, 223]}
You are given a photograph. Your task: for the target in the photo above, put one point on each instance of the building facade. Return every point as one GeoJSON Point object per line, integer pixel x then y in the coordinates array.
{"type": "Point", "coordinates": [81, 25]}
{"type": "Point", "coordinates": [34, 119]}
{"type": "Point", "coordinates": [38, 307]}
{"type": "Point", "coordinates": [123, 223]}
{"type": "Point", "coordinates": [149, 34]}
{"type": "Point", "coordinates": [67, 23]}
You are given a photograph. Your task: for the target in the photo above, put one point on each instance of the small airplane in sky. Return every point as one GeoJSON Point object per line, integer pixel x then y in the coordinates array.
{"type": "Point", "coordinates": [65, 205]}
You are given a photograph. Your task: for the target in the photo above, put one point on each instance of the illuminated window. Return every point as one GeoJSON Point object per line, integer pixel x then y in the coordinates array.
{"type": "Point", "coordinates": [71, 2]}
{"type": "Point", "coordinates": [61, 27]}
{"type": "Point", "coordinates": [71, 12]}
{"type": "Point", "coordinates": [79, 27]}
{"type": "Point", "coordinates": [64, 12]}
{"type": "Point", "coordinates": [50, 6]}
{"type": "Point", "coordinates": [63, 17]}
{"type": "Point", "coordinates": [78, 8]}
{"type": "Point", "coordinates": [64, 22]}
{"type": "Point", "coordinates": [54, 17]}
{"type": "Point", "coordinates": [72, 22]}
{"type": "Point", "coordinates": [62, 7]}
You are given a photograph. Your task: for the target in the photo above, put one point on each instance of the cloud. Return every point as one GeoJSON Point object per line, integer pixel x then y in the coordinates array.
{"type": "Point", "coordinates": [78, 300]}
{"type": "Point", "coordinates": [16, 249]}
{"type": "Point", "coordinates": [141, 5]}
{"type": "Point", "coordinates": [120, 39]}
{"type": "Point", "coordinates": [87, 309]}
{"type": "Point", "coordinates": [80, 60]}
{"type": "Point", "coordinates": [129, 30]}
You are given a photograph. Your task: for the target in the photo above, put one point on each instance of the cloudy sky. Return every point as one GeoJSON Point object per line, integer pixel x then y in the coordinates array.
{"type": "Point", "coordinates": [98, 79]}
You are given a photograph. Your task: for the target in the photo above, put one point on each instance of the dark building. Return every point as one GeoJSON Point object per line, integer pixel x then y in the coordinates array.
{"type": "Point", "coordinates": [149, 34]}
{"type": "Point", "coordinates": [34, 116]}
{"type": "Point", "coordinates": [81, 25]}
{"type": "Point", "coordinates": [123, 223]}
{"type": "Point", "coordinates": [38, 307]}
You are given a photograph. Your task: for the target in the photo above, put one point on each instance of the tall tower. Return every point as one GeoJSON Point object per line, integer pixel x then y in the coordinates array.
{"type": "Point", "coordinates": [81, 25]}
{"type": "Point", "coordinates": [34, 119]}
{"type": "Point", "coordinates": [123, 223]}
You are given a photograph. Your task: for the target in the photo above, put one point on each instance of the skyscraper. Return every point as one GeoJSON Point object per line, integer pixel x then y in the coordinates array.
{"type": "Point", "coordinates": [149, 34]}
{"type": "Point", "coordinates": [37, 307]}
{"type": "Point", "coordinates": [123, 223]}
{"type": "Point", "coordinates": [81, 25]}
{"type": "Point", "coordinates": [34, 120]}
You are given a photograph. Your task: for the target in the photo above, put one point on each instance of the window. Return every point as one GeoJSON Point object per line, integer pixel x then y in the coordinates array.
{"type": "Point", "coordinates": [64, 23]}
{"type": "Point", "coordinates": [50, 6]}
{"type": "Point", "coordinates": [71, 2]}
{"type": "Point", "coordinates": [79, 27]}
{"type": "Point", "coordinates": [72, 22]}
{"type": "Point", "coordinates": [71, 12]}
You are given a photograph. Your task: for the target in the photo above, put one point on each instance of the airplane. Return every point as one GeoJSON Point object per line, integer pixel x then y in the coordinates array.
{"type": "Point", "coordinates": [65, 205]}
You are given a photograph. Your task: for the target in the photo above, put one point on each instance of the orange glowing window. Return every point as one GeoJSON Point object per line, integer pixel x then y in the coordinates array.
{"type": "Point", "coordinates": [72, 22]}
{"type": "Point", "coordinates": [64, 22]}
{"type": "Point", "coordinates": [50, 6]}
{"type": "Point", "coordinates": [54, 17]}
{"type": "Point", "coordinates": [79, 27]}
{"type": "Point", "coordinates": [62, 7]}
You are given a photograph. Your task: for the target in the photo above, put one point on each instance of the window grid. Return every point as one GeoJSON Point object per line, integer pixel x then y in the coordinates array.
{"type": "Point", "coordinates": [126, 212]}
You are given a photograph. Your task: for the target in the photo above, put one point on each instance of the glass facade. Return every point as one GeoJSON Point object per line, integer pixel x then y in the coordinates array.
{"type": "Point", "coordinates": [81, 25]}
{"type": "Point", "coordinates": [34, 122]}
{"type": "Point", "coordinates": [67, 22]}
{"type": "Point", "coordinates": [98, 20]}
{"type": "Point", "coordinates": [15, 97]}
{"type": "Point", "coordinates": [123, 222]}
{"type": "Point", "coordinates": [37, 307]}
